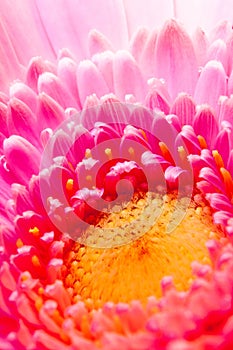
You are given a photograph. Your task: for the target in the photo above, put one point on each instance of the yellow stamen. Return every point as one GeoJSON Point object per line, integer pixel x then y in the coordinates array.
{"type": "Point", "coordinates": [202, 142]}
{"type": "Point", "coordinates": [88, 153]}
{"type": "Point", "coordinates": [35, 261]}
{"type": "Point", "coordinates": [98, 275]}
{"type": "Point", "coordinates": [35, 231]}
{"type": "Point", "coordinates": [218, 159]}
{"type": "Point", "coordinates": [19, 243]}
{"type": "Point", "coordinates": [131, 151]}
{"type": "Point", "coordinates": [69, 184]}
{"type": "Point", "coordinates": [108, 153]}
{"type": "Point", "coordinates": [227, 181]}
{"type": "Point", "coordinates": [89, 178]}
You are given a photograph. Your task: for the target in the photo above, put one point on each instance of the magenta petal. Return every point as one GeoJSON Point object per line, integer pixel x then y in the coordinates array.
{"type": "Point", "coordinates": [3, 119]}
{"type": "Point", "coordinates": [211, 84]}
{"type": "Point", "coordinates": [127, 76]}
{"type": "Point", "coordinates": [22, 121]}
{"type": "Point", "coordinates": [175, 59]}
{"type": "Point", "coordinates": [211, 177]}
{"type": "Point", "coordinates": [24, 94]}
{"type": "Point", "coordinates": [90, 80]}
{"type": "Point", "coordinates": [22, 157]}
{"type": "Point", "coordinates": [184, 107]}
{"type": "Point", "coordinates": [223, 144]}
{"type": "Point", "coordinates": [53, 86]}
{"type": "Point", "coordinates": [205, 124]}
{"type": "Point", "coordinates": [50, 113]}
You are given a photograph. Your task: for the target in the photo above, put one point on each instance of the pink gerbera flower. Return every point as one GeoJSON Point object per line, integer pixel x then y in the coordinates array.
{"type": "Point", "coordinates": [116, 175]}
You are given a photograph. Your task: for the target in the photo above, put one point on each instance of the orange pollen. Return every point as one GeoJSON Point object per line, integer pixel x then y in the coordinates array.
{"type": "Point", "coordinates": [143, 134]}
{"type": "Point", "coordinates": [69, 184]}
{"type": "Point", "coordinates": [19, 243]}
{"type": "Point", "coordinates": [227, 181]}
{"type": "Point", "coordinates": [35, 261]}
{"type": "Point", "coordinates": [133, 269]}
{"type": "Point", "coordinates": [38, 303]}
{"type": "Point", "coordinates": [218, 159]}
{"type": "Point", "coordinates": [202, 141]}
{"type": "Point", "coordinates": [88, 153]}
{"type": "Point", "coordinates": [165, 152]}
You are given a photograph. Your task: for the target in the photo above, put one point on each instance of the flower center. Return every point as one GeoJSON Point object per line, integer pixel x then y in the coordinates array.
{"type": "Point", "coordinates": [134, 270]}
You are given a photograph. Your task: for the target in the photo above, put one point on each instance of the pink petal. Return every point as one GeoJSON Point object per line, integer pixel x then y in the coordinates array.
{"type": "Point", "coordinates": [24, 94]}
{"type": "Point", "coordinates": [184, 107]}
{"type": "Point", "coordinates": [211, 84]}
{"type": "Point", "coordinates": [127, 76]}
{"type": "Point", "coordinates": [22, 157]}
{"type": "Point", "coordinates": [66, 72]}
{"type": "Point", "coordinates": [50, 114]}
{"type": "Point", "coordinates": [200, 44]}
{"type": "Point", "coordinates": [223, 144]}
{"type": "Point", "coordinates": [138, 42]}
{"type": "Point", "coordinates": [35, 68]}
{"type": "Point", "coordinates": [218, 51]}
{"type": "Point", "coordinates": [205, 124]}
{"type": "Point", "coordinates": [98, 43]}
{"type": "Point", "coordinates": [104, 62]}
{"type": "Point", "coordinates": [90, 80]}
{"type": "Point", "coordinates": [54, 87]}
{"type": "Point", "coordinates": [22, 121]}
{"type": "Point", "coordinates": [175, 59]}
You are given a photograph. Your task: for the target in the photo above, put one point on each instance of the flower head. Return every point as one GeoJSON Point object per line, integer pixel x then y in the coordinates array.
{"type": "Point", "coordinates": [116, 181]}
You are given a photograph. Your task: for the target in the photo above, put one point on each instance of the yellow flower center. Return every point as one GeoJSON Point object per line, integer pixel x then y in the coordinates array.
{"type": "Point", "coordinates": [134, 270]}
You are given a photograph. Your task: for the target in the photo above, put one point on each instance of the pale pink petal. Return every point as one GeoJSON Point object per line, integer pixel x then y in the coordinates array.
{"type": "Point", "coordinates": [218, 51]}
{"type": "Point", "coordinates": [66, 71]}
{"type": "Point", "coordinates": [206, 91]}
{"type": "Point", "coordinates": [150, 14]}
{"type": "Point", "coordinates": [66, 26]}
{"type": "Point", "coordinates": [90, 81]}
{"type": "Point", "coordinates": [175, 59]}
{"type": "Point", "coordinates": [200, 44]}
{"type": "Point", "coordinates": [104, 62]}
{"type": "Point", "coordinates": [97, 43]}
{"type": "Point", "coordinates": [137, 42]}
{"type": "Point", "coordinates": [23, 21]}
{"type": "Point", "coordinates": [127, 76]}
{"type": "Point", "coordinates": [35, 68]}
{"type": "Point", "coordinates": [203, 13]}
